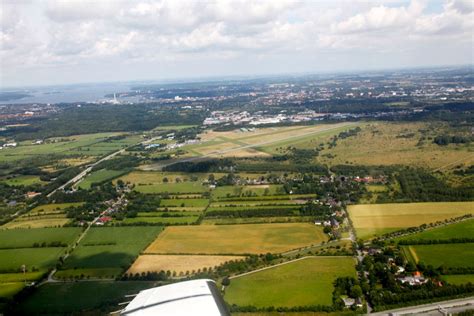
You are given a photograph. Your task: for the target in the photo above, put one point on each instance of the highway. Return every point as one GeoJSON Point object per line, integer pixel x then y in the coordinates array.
{"type": "Point", "coordinates": [86, 171]}
{"type": "Point", "coordinates": [438, 308]}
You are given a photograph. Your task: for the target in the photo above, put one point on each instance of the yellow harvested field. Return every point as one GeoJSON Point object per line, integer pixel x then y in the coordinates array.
{"type": "Point", "coordinates": [236, 239]}
{"type": "Point", "coordinates": [400, 215]}
{"type": "Point", "coordinates": [178, 263]}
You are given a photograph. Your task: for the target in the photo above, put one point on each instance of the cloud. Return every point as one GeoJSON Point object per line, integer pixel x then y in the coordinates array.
{"type": "Point", "coordinates": [37, 34]}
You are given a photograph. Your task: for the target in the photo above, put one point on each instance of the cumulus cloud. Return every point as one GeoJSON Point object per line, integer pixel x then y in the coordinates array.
{"type": "Point", "coordinates": [75, 32]}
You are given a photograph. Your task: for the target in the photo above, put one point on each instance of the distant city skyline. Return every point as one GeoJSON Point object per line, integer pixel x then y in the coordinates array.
{"type": "Point", "coordinates": [68, 42]}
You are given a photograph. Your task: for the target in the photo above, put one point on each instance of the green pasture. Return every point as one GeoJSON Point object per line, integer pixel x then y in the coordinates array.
{"type": "Point", "coordinates": [448, 255]}
{"type": "Point", "coordinates": [41, 258]}
{"type": "Point", "coordinates": [20, 238]}
{"type": "Point", "coordinates": [8, 290]}
{"type": "Point", "coordinates": [301, 283]}
{"type": "Point", "coordinates": [110, 247]}
{"type": "Point", "coordinates": [184, 203]}
{"type": "Point", "coordinates": [23, 180]}
{"type": "Point", "coordinates": [464, 229]}
{"type": "Point", "coordinates": [53, 208]}
{"type": "Point", "coordinates": [182, 187]}
{"type": "Point", "coordinates": [87, 144]}
{"type": "Point", "coordinates": [459, 278]}
{"type": "Point", "coordinates": [99, 176]}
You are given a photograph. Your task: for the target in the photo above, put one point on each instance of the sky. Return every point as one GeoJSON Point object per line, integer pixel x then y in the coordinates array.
{"type": "Point", "coordinates": [76, 41]}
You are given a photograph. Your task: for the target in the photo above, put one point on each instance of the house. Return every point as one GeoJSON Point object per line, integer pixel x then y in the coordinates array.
{"type": "Point", "coordinates": [416, 279]}
{"type": "Point", "coordinates": [348, 302]}
{"type": "Point", "coordinates": [103, 220]}
{"type": "Point", "coordinates": [30, 195]}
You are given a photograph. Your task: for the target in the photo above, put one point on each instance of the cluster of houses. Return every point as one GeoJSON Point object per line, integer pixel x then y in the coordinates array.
{"type": "Point", "coordinates": [113, 206]}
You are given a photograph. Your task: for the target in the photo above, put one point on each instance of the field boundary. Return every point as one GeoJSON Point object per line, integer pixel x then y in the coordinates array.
{"type": "Point", "coordinates": [283, 263]}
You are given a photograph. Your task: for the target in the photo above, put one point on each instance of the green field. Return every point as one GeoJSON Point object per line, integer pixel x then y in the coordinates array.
{"type": "Point", "coordinates": [257, 220]}
{"type": "Point", "coordinates": [182, 187]}
{"type": "Point", "coordinates": [110, 247]}
{"type": "Point", "coordinates": [52, 208]}
{"type": "Point", "coordinates": [62, 298]}
{"type": "Point", "coordinates": [25, 238]}
{"type": "Point", "coordinates": [161, 220]}
{"type": "Point", "coordinates": [301, 283]}
{"type": "Point", "coordinates": [200, 203]}
{"type": "Point", "coordinates": [23, 180]}
{"type": "Point", "coordinates": [374, 219]}
{"type": "Point", "coordinates": [99, 176]}
{"type": "Point", "coordinates": [448, 255]}
{"type": "Point", "coordinates": [48, 215]}
{"type": "Point", "coordinates": [41, 258]}
{"type": "Point", "coordinates": [7, 290]}
{"type": "Point", "coordinates": [459, 278]}
{"type": "Point", "coordinates": [236, 239]}
{"type": "Point", "coordinates": [156, 177]}
{"type": "Point", "coordinates": [464, 229]}
{"type": "Point", "coordinates": [88, 144]}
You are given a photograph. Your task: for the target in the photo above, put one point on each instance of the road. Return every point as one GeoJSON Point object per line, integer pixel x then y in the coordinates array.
{"type": "Point", "coordinates": [50, 278]}
{"type": "Point", "coordinates": [438, 307]}
{"type": "Point", "coordinates": [86, 171]}
{"type": "Point", "coordinates": [225, 151]}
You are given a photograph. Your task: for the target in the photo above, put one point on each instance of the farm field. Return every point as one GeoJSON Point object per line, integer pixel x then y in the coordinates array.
{"type": "Point", "coordinates": [25, 238]}
{"type": "Point", "coordinates": [156, 177]}
{"type": "Point", "coordinates": [374, 219]}
{"type": "Point", "coordinates": [459, 278]}
{"type": "Point", "coordinates": [178, 263]}
{"type": "Point", "coordinates": [305, 282]}
{"type": "Point", "coordinates": [449, 255]}
{"type": "Point", "coordinates": [7, 290]}
{"type": "Point", "coordinates": [49, 215]}
{"type": "Point", "coordinates": [380, 143]}
{"type": "Point", "coordinates": [109, 248]}
{"type": "Point", "coordinates": [184, 203]}
{"type": "Point", "coordinates": [161, 220]}
{"type": "Point", "coordinates": [37, 221]}
{"type": "Point", "coordinates": [39, 258]}
{"type": "Point", "coordinates": [99, 176]}
{"type": "Point", "coordinates": [42, 216]}
{"type": "Point", "coordinates": [33, 249]}
{"type": "Point", "coordinates": [53, 208]}
{"type": "Point", "coordinates": [61, 298]}
{"type": "Point", "coordinates": [87, 144]}
{"type": "Point", "coordinates": [256, 220]}
{"type": "Point", "coordinates": [220, 239]}
{"type": "Point", "coordinates": [182, 187]}
{"type": "Point", "coordinates": [463, 229]}
{"type": "Point", "coordinates": [23, 180]}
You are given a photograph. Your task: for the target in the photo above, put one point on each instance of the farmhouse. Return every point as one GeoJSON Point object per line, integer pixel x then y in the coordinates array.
{"type": "Point", "coordinates": [416, 279]}
{"type": "Point", "coordinates": [31, 195]}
